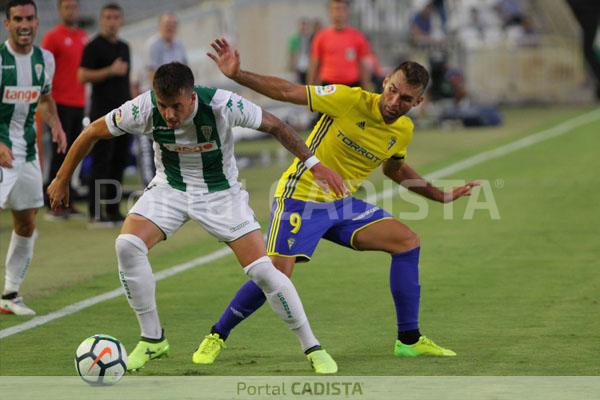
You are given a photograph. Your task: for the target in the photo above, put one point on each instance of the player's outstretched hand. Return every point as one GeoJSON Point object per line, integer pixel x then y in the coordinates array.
{"type": "Point", "coordinates": [58, 194]}
{"type": "Point", "coordinates": [227, 57]}
{"type": "Point", "coordinates": [460, 191]}
{"type": "Point", "coordinates": [6, 156]}
{"type": "Point", "coordinates": [60, 138]}
{"type": "Point", "coordinates": [329, 180]}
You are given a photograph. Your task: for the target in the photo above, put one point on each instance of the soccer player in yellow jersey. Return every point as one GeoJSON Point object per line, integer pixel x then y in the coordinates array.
{"type": "Point", "coordinates": [358, 132]}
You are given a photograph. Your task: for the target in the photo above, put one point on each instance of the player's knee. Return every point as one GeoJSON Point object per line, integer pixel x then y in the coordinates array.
{"type": "Point", "coordinates": [128, 246]}
{"type": "Point", "coordinates": [413, 241]}
{"type": "Point", "coordinates": [285, 265]}
{"type": "Point", "coordinates": [25, 227]}
{"type": "Point", "coordinates": [406, 242]}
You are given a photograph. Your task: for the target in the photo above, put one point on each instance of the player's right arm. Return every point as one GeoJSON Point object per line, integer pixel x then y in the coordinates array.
{"type": "Point", "coordinates": [89, 72]}
{"type": "Point", "coordinates": [313, 69]}
{"type": "Point", "coordinates": [228, 61]}
{"type": "Point", "coordinates": [58, 191]}
{"type": "Point", "coordinates": [117, 68]}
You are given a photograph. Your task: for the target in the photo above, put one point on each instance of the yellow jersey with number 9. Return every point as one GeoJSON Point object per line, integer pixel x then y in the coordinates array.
{"type": "Point", "coordinates": [351, 138]}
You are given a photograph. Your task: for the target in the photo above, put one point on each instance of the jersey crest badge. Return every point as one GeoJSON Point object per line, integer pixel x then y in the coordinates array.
{"type": "Point", "coordinates": [392, 142]}
{"type": "Point", "coordinates": [291, 242]}
{"type": "Point", "coordinates": [38, 70]}
{"type": "Point", "coordinates": [362, 124]}
{"type": "Point", "coordinates": [206, 131]}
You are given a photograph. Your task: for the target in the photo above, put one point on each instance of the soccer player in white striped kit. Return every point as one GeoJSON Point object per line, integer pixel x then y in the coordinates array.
{"type": "Point", "coordinates": [26, 73]}
{"type": "Point", "coordinates": [196, 178]}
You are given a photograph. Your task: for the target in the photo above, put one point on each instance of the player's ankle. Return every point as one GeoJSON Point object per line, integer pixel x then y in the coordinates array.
{"type": "Point", "coordinates": [215, 331]}
{"type": "Point", "coordinates": [409, 337]}
{"type": "Point", "coordinates": [10, 295]}
{"type": "Point", "coordinates": [314, 348]}
{"type": "Point", "coordinates": [154, 340]}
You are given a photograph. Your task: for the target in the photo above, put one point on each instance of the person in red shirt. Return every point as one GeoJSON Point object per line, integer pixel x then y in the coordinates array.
{"type": "Point", "coordinates": [66, 42]}
{"type": "Point", "coordinates": [338, 52]}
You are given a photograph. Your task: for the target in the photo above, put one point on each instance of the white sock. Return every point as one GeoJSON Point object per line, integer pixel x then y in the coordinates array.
{"type": "Point", "coordinates": [283, 298]}
{"type": "Point", "coordinates": [136, 277]}
{"type": "Point", "coordinates": [18, 258]}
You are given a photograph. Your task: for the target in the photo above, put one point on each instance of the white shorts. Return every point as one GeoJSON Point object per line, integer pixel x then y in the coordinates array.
{"type": "Point", "coordinates": [21, 187]}
{"type": "Point", "coordinates": [225, 214]}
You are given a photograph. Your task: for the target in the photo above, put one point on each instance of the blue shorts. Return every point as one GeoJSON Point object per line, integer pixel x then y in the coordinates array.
{"type": "Point", "coordinates": [297, 226]}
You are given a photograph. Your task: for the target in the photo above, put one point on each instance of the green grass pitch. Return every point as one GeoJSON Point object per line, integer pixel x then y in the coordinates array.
{"type": "Point", "coordinates": [514, 296]}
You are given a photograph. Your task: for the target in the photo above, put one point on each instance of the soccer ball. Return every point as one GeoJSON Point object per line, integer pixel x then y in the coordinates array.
{"type": "Point", "coordinates": [101, 360]}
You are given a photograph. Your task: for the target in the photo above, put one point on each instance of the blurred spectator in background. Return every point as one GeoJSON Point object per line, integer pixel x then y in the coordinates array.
{"type": "Point", "coordinates": [423, 29]}
{"type": "Point", "coordinates": [421, 26]}
{"type": "Point", "coordinates": [338, 52]}
{"type": "Point", "coordinates": [523, 34]}
{"type": "Point", "coordinates": [474, 33]}
{"type": "Point", "coordinates": [161, 48]}
{"type": "Point", "coordinates": [299, 50]}
{"type": "Point", "coordinates": [439, 6]}
{"type": "Point", "coordinates": [587, 13]}
{"type": "Point", "coordinates": [448, 99]}
{"type": "Point", "coordinates": [376, 71]}
{"type": "Point", "coordinates": [316, 27]}
{"type": "Point", "coordinates": [105, 64]}
{"type": "Point", "coordinates": [66, 42]}
{"type": "Point", "coordinates": [510, 12]}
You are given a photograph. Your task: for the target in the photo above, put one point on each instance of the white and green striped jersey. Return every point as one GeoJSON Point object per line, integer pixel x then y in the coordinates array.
{"type": "Point", "coordinates": [198, 156]}
{"type": "Point", "coordinates": [23, 79]}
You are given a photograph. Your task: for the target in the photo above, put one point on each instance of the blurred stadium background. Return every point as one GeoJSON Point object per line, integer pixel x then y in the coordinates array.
{"type": "Point", "coordinates": [485, 290]}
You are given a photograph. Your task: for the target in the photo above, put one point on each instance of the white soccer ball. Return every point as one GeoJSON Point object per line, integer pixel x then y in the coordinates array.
{"type": "Point", "coordinates": [101, 360]}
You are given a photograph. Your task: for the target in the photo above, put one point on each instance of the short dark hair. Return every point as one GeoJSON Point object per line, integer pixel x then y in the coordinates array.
{"type": "Point", "coordinates": [16, 3]}
{"type": "Point", "coordinates": [59, 2]}
{"type": "Point", "coordinates": [112, 6]}
{"type": "Point", "coordinates": [414, 73]}
{"type": "Point", "coordinates": [170, 79]}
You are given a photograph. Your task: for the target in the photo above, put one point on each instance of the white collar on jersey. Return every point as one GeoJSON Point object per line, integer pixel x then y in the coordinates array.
{"type": "Point", "coordinates": [14, 53]}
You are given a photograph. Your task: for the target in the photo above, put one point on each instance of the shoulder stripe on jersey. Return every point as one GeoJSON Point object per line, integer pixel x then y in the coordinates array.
{"type": "Point", "coordinates": [9, 78]}
{"type": "Point", "coordinates": [313, 147]}
{"type": "Point", "coordinates": [275, 223]}
{"type": "Point", "coordinates": [316, 140]}
{"type": "Point", "coordinates": [37, 79]}
{"type": "Point", "coordinates": [293, 178]}
{"type": "Point", "coordinates": [205, 94]}
{"type": "Point", "coordinates": [212, 161]}
{"type": "Point", "coordinates": [169, 159]}
{"type": "Point", "coordinates": [309, 95]}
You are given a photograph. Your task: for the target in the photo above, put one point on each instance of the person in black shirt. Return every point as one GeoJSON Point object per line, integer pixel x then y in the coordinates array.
{"type": "Point", "coordinates": [105, 64]}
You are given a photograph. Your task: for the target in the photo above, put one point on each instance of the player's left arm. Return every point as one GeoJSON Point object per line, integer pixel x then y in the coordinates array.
{"type": "Point", "coordinates": [324, 176]}
{"type": "Point", "coordinates": [58, 190]}
{"type": "Point", "coordinates": [49, 114]}
{"type": "Point", "coordinates": [228, 60]}
{"type": "Point", "coordinates": [403, 174]}
{"type": "Point", "coordinates": [365, 75]}
{"type": "Point", "coordinates": [363, 51]}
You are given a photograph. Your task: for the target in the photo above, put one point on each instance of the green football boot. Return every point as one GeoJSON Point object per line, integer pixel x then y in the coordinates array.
{"type": "Point", "coordinates": [146, 351]}
{"type": "Point", "coordinates": [424, 347]}
{"type": "Point", "coordinates": [321, 362]}
{"type": "Point", "coordinates": [209, 349]}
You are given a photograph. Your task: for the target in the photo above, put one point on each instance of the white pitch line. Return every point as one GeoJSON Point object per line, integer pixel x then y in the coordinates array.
{"type": "Point", "coordinates": [73, 308]}
{"type": "Point", "coordinates": [534, 138]}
